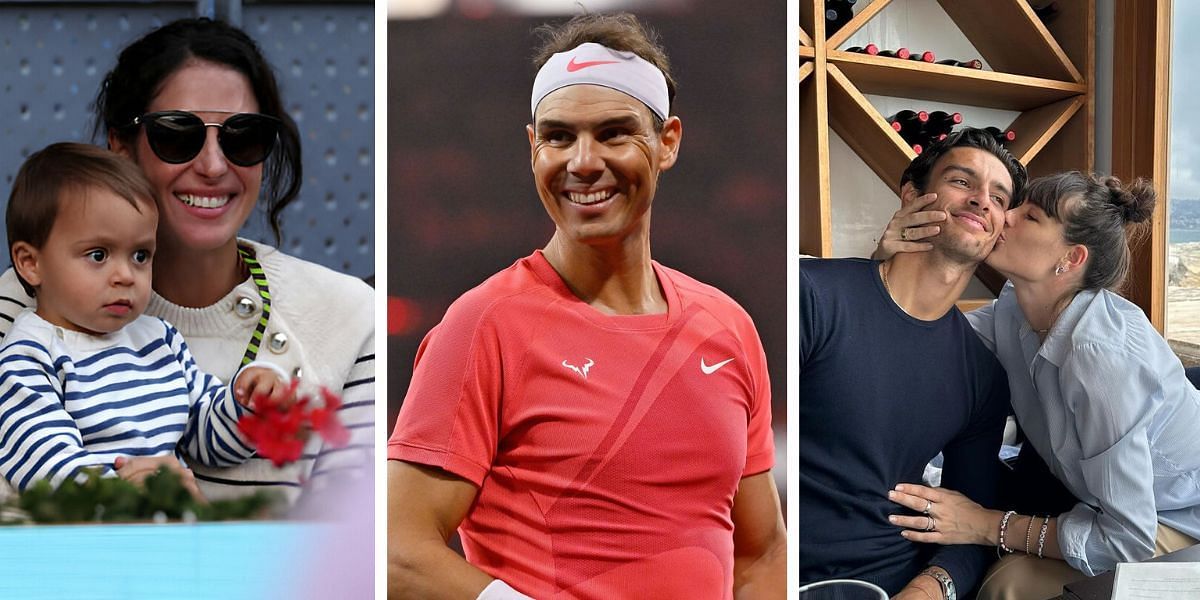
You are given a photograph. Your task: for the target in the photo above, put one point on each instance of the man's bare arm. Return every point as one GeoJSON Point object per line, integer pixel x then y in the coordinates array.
{"type": "Point", "coordinates": [425, 506]}
{"type": "Point", "coordinates": [759, 540]}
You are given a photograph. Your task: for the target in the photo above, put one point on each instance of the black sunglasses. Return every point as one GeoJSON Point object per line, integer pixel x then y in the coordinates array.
{"type": "Point", "coordinates": [177, 136]}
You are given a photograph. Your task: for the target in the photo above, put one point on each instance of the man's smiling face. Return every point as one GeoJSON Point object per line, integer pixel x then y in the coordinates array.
{"type": "Point", "coordinates": [974, 188]}
{"type": "Point", "coordinates": [596, 159]}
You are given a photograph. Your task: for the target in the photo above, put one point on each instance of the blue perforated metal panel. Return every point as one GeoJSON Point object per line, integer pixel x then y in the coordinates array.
{"type": "Point", "coordinates": [53, 56]}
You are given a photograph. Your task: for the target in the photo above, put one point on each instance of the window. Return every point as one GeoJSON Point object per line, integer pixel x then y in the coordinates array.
{"type": "Point", "coordinates": [1183, 183]}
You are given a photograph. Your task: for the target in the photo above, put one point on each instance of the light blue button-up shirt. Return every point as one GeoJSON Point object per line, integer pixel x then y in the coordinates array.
{"type": "Point", "coordinates": [1107, 404]}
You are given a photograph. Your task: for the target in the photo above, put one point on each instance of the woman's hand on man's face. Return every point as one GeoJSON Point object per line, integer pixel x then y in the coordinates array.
{"type": "Point", "coordinates": [911, 224]}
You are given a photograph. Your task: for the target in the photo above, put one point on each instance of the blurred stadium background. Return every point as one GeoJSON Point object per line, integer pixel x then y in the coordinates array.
{"type": "Point", "coordinates": [54, 54]}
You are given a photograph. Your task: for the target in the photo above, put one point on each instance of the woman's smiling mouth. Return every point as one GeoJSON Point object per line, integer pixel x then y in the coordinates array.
{"type": "Point", "coordinates": [203, 201]}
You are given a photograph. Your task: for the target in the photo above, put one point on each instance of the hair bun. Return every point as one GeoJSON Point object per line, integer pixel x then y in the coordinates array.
{"type": "Point", "coordinates": [1136, 200]}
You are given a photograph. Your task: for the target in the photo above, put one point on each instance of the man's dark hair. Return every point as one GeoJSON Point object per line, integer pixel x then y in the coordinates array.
{"type": "Point", "coordinates": [67, 170]}
{"type": "Point", "coordinates": [968, 137]}
{"type": "Point", "coordinates": [618, 31]}
{"type": "Point", "coordinates": [143, 66]}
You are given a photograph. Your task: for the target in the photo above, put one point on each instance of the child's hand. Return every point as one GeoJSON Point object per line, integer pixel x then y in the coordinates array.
{"type": "Point", "coordinates": [255, 382]}
{"type": "Point", "coordinates": [135, 469]}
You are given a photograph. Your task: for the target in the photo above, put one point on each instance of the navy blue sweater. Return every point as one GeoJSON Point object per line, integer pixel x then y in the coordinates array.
{"type": "Point", "coordinates": [881, 393]}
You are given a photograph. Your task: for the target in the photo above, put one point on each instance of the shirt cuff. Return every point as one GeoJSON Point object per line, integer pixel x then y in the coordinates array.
{"type": "Point", "coordinates": [1074, 528]}
{"type": "Point", "coordinates": [245, 408]}
{"type": "Point", "coordinates": [498, 590]}
{"type": "Point", "coordinates": [262, 364]}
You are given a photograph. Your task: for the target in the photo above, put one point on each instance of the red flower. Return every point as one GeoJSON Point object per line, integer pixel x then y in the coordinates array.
{"type": "Point", "coordinates": [281, 450]}
{"type": "Point", "coordinates": [279, 429]}
{"type": "Point", "coordinates": [325, 422]}
{"type": "Point", "coordinates": [332, 400]}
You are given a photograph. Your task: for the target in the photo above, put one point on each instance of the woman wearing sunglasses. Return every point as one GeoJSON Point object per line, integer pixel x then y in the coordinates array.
{"type": "Point", "coordinates": [196, 106]}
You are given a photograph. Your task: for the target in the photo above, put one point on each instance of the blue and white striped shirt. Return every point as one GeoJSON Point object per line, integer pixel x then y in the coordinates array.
{"type": "Point", "coordinates": [327, 320]}
{"type": "Point", "coordinates": [1106, 403]}
{"type": "Point", "coordinates": [70, 400]}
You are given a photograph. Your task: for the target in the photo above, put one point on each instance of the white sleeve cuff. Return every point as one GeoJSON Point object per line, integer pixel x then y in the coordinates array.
{"type": "Point", "coordinates": [262, 364]}
{"type": "Point", "coordinates": [498, 590]}
{"type": "Point", "coordinates": [1074, 527]}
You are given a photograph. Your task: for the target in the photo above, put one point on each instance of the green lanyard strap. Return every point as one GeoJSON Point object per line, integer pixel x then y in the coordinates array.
{"type": "Point", "coordinates": [260, 281]}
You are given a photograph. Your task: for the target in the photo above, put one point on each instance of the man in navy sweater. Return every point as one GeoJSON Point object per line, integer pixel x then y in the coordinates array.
{"type": "Point", "coordinates": [891, 374]}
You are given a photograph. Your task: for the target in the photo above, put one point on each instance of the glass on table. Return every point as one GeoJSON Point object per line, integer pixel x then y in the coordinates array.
{"type": "Point", "coordinates": [842, 589]}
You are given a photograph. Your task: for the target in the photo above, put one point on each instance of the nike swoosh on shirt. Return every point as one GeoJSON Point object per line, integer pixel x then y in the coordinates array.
{"type": "Point", "coordinates": [573, 66]}
{"type": "Point", "coordinates": [710, 369]}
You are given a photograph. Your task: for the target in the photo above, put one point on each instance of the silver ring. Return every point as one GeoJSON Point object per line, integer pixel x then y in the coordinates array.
{"type": "Point", "coordinates": [928, 507]}
{"type": "Point", "coordinates": [904, 234]}
{"type": "Point", "coordinates": [930, 526]}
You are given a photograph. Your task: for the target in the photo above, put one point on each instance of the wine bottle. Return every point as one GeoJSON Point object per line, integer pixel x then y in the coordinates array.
{"type": "Point", "coordinates": [1004, 137]}
{"type": "Point", "coordinates": [969, 64]}
{"type": "Point", "coordinates": [909, 120]}
{"type": "Point", "coordinates": [915, 137]}
{"type": "Point", "coordinates": [871, 49]}
{"type": "Point", "coordinates": [933, 134]}
{"type": "Point", "coordinates": [941, 121]}
{"type": "Point", "coordinates": [837, 14]}
{"type": "Point", "coordinates": [925, 56]}
{"type": "Point", "coordinates": [897, 53]}
{"type": "Point", "coordinates": [910, 125]}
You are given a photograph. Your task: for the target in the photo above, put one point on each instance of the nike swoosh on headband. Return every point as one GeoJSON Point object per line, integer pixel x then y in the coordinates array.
{"type": "Point", "coordinates": [625, 72]}
{"type": "Point", "coordinates": [575, 66]}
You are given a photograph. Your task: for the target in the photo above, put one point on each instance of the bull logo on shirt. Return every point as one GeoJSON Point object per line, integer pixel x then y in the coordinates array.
{"type": "Point", "coordinates": [582, 371]}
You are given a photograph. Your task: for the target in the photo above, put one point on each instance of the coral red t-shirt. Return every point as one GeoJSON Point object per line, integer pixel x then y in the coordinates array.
{"type": "Point", "coordinates": [607, 449]}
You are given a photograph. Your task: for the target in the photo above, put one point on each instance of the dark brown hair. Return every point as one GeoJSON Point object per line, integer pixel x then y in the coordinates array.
{"type": "Point", "coordinates": [618, 31]}
{"type": "Point", "coordinates": [143, 66]}
{"type": "Point", "coordinates": [61, 171]}
{"type": "Point", "coordinates": [1099, 212]}
{"type": "Point", "coordinates": [967, 137]}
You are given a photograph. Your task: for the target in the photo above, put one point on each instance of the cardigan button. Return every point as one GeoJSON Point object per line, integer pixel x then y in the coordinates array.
{"type": "Point", "coordinates": [245, 307]}
{"type": "Point", "coordinates": [278, 343]}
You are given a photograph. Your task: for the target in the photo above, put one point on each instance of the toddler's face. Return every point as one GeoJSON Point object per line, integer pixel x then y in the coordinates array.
{"type": "Point", "coordinates": [93, 272]}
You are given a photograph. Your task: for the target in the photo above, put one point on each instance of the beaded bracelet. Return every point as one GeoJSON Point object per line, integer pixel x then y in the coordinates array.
{"type": "Point", "coordinates": [1003, 529]}
{"type": "Point", "coordinates": [1029, 536]}
{"type": "Point", "coordinates": [1042, 535]}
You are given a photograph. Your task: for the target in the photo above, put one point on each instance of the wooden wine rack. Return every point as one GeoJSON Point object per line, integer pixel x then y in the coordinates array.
{"type": "Point", "coordinates": [1044, 72]}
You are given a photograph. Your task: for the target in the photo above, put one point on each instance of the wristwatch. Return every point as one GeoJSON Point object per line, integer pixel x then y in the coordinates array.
{"type": "Point", "coordinates": [947, 584]}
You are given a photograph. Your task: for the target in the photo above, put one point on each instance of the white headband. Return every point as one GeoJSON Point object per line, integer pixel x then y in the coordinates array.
{"type": "Point", "coordinates": [595, 64]}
